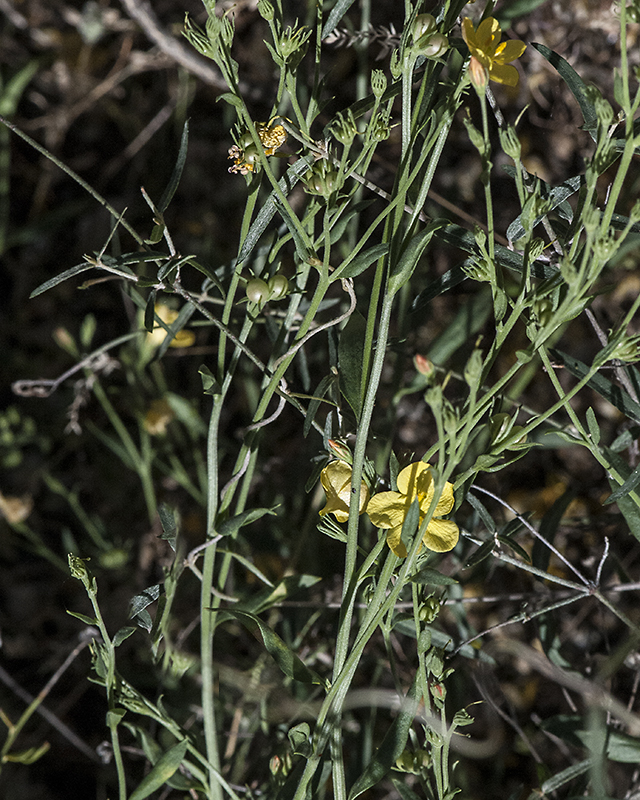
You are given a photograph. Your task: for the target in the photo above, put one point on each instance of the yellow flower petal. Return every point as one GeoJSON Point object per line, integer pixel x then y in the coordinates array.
{"type": "Point", "coordinates": [395, 542]}
{"type": "Point", "coordinates": [487, 32]}
{"type": "Point", "coordinates": [509, 51]}
{"type": "Point", "coordinates": [409, 476]}
{"type": "Point", "coordinates": [336, 482]}
{"type": "Point", "coordinates": [183, 339]}
{"type": "Point", "coordinates": [445, 502]}
{"type": "Point", "coordinates": [387, 509]}
{"type": "Point", "coordinates": [441, 535]}
{"type": "Point", "coordinates": [169, 316]}
{"type": "Point", "coordinates": [504, 73]}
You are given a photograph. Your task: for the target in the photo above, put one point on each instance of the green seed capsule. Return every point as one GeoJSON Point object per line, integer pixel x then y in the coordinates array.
{"type": "Point", "coordinates": [424, 23]}
{"type": "Point", "coordinates": [278, 287]}
{"type": "Point", "coordinates": [246, 140]}
{"type": "Point", "coordinates": [251, 155]}
{"type": "Point", "coordinates": [257, 291]}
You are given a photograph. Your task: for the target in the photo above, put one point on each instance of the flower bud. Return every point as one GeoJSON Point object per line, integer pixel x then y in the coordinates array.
{"type": "Point", "coordinates": [340, 450]}
{"type": "Point", "coordinates": [423, 365]}
{"type": "Point", "coordinates": [378, 83]}
{"type": "Point", "coordinates": [265, 9]}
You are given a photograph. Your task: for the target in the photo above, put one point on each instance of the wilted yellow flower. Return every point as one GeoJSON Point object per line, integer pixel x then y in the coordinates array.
{"type": "Point", "coordinates": [336, 482]}
{"type": "Point", "coordinates": [245, 154]}
{"type": "Point", "coordinates": [491, 56]}
{"type": "Point", "coordinates": [168, 316]}
{"type": "Point", "coordinates": [389, 509]}
{"type": "Point", "coordinates": [15, 509]}
{"type": "Point", "coordinates": [158, 417]}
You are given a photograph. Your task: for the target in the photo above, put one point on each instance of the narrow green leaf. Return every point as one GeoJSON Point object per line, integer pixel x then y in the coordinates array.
{"type": "Point", "coordinates": [168, 522]}
{"type": "Point", "coordinates": [351, 359]}
{"type": "Point", "coordinates": [157, 232]}
{"type": "Point", "coordinates": [451, 278]}
{"type": "Point", "coordinates": [149, 311]}
{"type": "Point", "coordinates": [392, 745]}
{"type": "Point", "coordinates": [468, 321]}
{"type": "Point", "coordinates": [286, 588]}
{"type": "Point", "coordinates": [482, 512]}
{"type": "Point", "coordinates": [314, 403]}
{"type": "Point", "coordinates": [514, 9]}
{"type": "Point", "coordinates": [122, 635]}
{"type": "Point", "coordinates": [144, 599]}
{"type": "Point", "coordinates": [83, 617]}
{"type": "Point", "coordinates": [428, 576]}
{"type": "Point", "coordinates": [248, 566]}
{"type": "Point", "coordinates": [63, 276]}
{"type": "Point", "coordinates": [556, 194]}
{"type": "Point", "coordinates": [269, 208]}
{"type": "Point", "coordinates": [575, 83]}
{"type": "Point", "coordinates": [162, 770]}
{"type": "Point", "coordinates": [626, 505]}
{"type": "Point", "coordinates": [177, 170]}
{"type": "Point", "coordinates": [209, 383]}
{"type": "Point", "coordinates": [350, 211]}
{"type": "Point", "coordinates": [337, 12]}
{"type": "Point", "coordinates": [230, 98]}
{"type": "Point", "coordinates": [628, 486]}
{"type": "Point", "coordinates": [284, 657]}
{"type": "Point", "coordinates": [233, 525]}
{"type": "Point", "coordinates": [507, 542]}
{"type": "Point", "coordinates": [408, 261]}
{"type": "Point", "coordinates": [186, 312]}
{"type": "Point", "coordinates": [592, 423]}
{"type": "Point", "coordinates": [483, 552]}
{"type": "Point", "coordinates": [403, 790]}
{"type": "Point", "coordinates": [351, 268]}
{"type": "Point", "coordinates": [509, 259]}
{"type": "Point", "coordinates": [568, 774]}
{"type": "Point", "coordinates": [12, 92]}
{"type": "Point", "coordinates": [613, 393]}
{"type": "Point", "coordinates": [410, 525]}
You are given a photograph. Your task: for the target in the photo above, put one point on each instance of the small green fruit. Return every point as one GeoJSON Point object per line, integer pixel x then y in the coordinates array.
{"type": "Point", "coordinates": [257, 291]}
{"type": "Point", "coordinates": [278, 287]}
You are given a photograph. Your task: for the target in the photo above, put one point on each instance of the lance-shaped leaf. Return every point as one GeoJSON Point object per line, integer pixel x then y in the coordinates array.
{"type": "Point", "coordinates": [403, 270]}
{"type": "Point", "coordinates": [285, 658]}
{"type": "Point", "coordinates": [161, 772]}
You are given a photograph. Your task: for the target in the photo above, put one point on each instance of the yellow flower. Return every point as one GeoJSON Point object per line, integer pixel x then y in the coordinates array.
{"type": "Point", "coordinates": [169, 315]}
{"type": "Point", "coordinates": [389, 509]}
{"type": "Point", "coordinates": [158, 416]}
{"type": "Point", "coordinates": [488, 54]}
{"type": "Point", "coordinates": [336, 482]}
